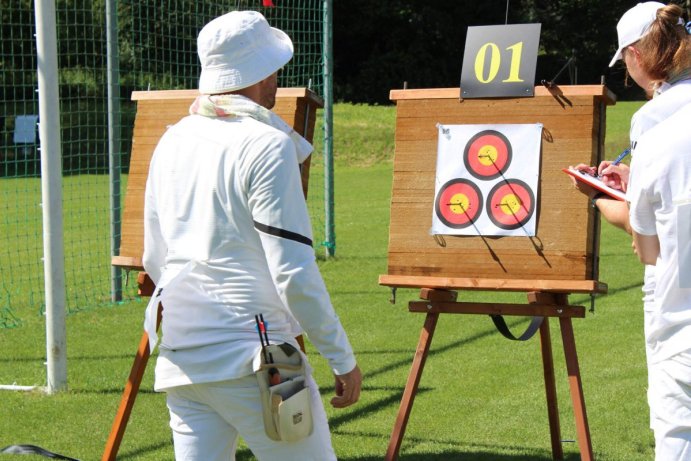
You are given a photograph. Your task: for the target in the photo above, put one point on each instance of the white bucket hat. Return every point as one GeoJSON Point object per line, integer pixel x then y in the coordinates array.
{"type": "Point", "coordinates": [239, 49]}
{"type": "Point", "coordinates": [634, 24]}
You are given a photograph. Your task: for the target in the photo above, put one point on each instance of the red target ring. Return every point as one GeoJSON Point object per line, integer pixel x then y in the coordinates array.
{"type": "Point", "coordinates": [510, 204]}
{"type": "Point", "coordinates": [487, 154]}
{"type": "Point", "coordinates": [458, 203]}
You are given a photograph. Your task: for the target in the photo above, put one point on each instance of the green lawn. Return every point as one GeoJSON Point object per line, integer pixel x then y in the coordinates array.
{"type": "Point", "coordinates": [481, 396]}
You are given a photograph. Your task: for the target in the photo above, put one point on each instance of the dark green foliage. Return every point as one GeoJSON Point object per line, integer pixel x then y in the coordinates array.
{"type": "Point", "coordinates": [382, 45]}
{"type": "Point", "coordinates": [378, 46]}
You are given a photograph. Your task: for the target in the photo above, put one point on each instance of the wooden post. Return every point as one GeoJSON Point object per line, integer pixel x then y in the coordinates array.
{"type": "Point", "coordinates": [548, 371]}
{"type": "Point", "coordinates": [411, 386]}
{"type": "Point", "coordinates": [550, 390]}
{"type": "Point", "coordinates": [129, 395]}
{"type": "Point", "coordinates": [576, 387]}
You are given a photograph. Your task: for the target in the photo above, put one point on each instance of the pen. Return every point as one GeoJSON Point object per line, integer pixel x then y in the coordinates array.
{"type": "Point", "coordinates": [621, 156]}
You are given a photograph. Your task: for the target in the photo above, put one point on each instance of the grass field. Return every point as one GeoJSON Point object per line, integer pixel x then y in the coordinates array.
{"type": "Point", "coordinates": [481, 397]}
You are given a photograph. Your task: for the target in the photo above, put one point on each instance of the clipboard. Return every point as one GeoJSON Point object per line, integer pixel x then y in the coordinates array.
{"type": "Point", "coordinates": [596, 183]}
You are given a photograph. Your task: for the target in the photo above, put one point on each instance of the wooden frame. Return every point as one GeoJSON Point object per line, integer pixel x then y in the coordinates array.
{"type": "Point", "coordinates": [565, 247]}
{"type": "Point", "coordinates": [561, 259]}
{"type": "Point", "coordinates": [156, 110]}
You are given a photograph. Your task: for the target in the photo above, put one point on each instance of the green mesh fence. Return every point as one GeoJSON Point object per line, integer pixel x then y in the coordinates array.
{"type": "Point", "coordinates": [157, 51]}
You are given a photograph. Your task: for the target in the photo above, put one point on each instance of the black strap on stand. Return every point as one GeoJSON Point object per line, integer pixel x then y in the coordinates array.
{"type": "Point", "coordinates": [503, 328]}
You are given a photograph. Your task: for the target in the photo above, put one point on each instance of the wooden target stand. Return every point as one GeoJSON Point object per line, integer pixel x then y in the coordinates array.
{"type": "Point", "coordinates": [562, 257]}
{"type": "Point", "coordinates": [156, 110]}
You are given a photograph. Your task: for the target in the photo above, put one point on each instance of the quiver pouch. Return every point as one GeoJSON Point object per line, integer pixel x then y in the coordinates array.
{"type": "Point", "coordinates": [286, 404]}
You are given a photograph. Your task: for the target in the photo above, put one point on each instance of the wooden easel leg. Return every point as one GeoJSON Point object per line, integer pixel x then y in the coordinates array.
{"type": "Point", "coordinates": [550, 390]}
{"type": "Point", "coordinates": [576, 386]}
{"type": "Point", "coordinates": [301, 342]}
{"type": "Point", "coordinates": [133, 382]}
{"type": "Point", "coordinates": [411, 386]}
{"type": "Point", "coordinates": [127, 401]}
{"type": "Point", "coordinates": [548, 370]}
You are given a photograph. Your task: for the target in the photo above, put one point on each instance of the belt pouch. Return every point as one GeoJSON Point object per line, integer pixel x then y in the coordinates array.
{"type": "Point", "coordinates": [286, 405]}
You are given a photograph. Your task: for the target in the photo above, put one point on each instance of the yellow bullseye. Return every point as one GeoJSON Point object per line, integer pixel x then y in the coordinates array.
{"type": "Point", "coordinates": [487, 155]}
{"type": "Point", "coordinates": [459, 204]}
{"type": "Point", "coordinates": [511, 204]}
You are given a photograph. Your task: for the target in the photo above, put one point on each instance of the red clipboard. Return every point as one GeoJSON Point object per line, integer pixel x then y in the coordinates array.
{"type": "Point", "coordinates": [596, 183]}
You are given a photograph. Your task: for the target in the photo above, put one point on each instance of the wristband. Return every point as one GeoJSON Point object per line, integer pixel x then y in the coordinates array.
{"type": "Point", "coordinates": [595, 197]}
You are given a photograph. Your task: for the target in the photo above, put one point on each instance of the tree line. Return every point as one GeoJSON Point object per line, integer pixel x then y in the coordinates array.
{"type": "Point", "coordinates": [377, 46]}
{"type": "Point", "coordinates": [382, 45]}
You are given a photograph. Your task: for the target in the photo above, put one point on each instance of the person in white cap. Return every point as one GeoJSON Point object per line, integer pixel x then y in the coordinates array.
{"type": "Point", "coordinates": [227, 242]}
{"type": "Point", "coordinates": [656, 50]}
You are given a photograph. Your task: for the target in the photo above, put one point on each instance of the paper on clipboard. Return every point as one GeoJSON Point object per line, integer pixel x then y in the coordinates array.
{"type": "Point", "coordinates": [595, 182]}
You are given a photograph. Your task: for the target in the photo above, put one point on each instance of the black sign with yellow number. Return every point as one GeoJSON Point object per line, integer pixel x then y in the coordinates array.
{"type": "Point", "coordinates": [499, 61]}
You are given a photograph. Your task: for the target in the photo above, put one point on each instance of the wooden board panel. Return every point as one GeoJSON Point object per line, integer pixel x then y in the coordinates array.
{"type": "Point", "coordinates": [565, 247]}
{"type": "Point", "coordinates": [156, 111]}
{"type": "Point", "coordinates": [599, 91]}
{"type": "Point", "coordinates": [493, 284]}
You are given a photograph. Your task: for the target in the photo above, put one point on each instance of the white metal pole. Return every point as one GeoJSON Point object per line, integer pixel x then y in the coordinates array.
{"type": "Point", "coordinates": [113, 67]}
{"type": "Point", "coordinates": [51, 191]}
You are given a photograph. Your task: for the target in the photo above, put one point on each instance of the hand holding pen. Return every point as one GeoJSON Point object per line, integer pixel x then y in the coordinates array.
{"type": "Point", "coordinates": [614, 173]}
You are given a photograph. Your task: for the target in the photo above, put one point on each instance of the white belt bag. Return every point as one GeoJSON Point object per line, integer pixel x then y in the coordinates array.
{"type": "Point", "coordinates": [286, 406]}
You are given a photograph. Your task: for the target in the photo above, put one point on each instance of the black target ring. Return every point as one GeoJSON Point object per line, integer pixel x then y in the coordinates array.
{"type": "Point", "coordinates": [487, 155]}
{"type": "Point", "coordinates": [510, 204]}
{"type": "Point", "coordinates": [458, 203]}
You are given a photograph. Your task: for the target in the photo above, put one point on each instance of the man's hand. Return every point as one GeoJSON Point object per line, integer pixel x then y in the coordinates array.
{"type": "Point", "coordinates": [347, 388]}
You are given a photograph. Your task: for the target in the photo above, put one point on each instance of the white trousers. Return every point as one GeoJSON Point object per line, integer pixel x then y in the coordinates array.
{"type": "Point", "coordinates": [208, 419]}
{"type": "Point", "coordinates": [669, 397]}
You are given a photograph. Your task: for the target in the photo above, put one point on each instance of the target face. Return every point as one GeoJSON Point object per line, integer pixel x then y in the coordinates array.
{"type": "Point", "coordinates": [458, 203]}
{"type": "Point", "coordinates": [510, 204]}
{"type": "Point", "coordinates": [487, 155]}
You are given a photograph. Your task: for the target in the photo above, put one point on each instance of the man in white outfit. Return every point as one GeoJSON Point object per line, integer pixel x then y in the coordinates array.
{"type": "Point", "coordinates": [228, 238]}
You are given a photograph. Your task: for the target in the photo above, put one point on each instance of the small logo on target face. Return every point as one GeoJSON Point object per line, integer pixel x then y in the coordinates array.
{"type": "Point", "coordinates": [487, 155]}
{"type": "Point", "coordinates": [297, 418]}
{"type": "Point", "coordinates": [510, 204]}
{"type": "Point", "coordinates": [458, 203]}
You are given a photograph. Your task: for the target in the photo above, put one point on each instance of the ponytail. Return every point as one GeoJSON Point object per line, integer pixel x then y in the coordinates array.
{"type": "Point", "coordinates": [666, 48]}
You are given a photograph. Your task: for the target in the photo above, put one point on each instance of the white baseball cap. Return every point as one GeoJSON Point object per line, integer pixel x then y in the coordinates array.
{"type": "Point", "coordinates": [240, 49]}
{"type": "Point", "coordinates": [634, 24]}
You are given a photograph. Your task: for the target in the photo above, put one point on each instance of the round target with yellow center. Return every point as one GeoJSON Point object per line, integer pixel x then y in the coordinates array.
{"type": "Point", "coordinates": [510, 204]}
{"type": "Point", "coordinates": [487, 154]}
{"type": "Point", "coordinates": [458, 203]}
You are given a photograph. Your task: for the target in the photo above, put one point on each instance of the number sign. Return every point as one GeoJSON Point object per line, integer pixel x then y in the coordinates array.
{"type": "Point", "coordinates": [499, 61]}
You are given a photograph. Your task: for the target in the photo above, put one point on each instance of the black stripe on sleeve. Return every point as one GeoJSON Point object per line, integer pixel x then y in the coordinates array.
{"type": "Point", "coordinates": [282, 233]}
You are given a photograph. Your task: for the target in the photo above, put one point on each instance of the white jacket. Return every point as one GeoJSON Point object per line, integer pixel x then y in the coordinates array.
{"type": "Point", "coordinates": [224, 202]}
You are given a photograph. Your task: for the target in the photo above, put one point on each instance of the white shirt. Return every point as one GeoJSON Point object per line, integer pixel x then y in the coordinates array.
{"type": "Point", "coordinates": [667, 99]}
{"type": "Point", "coordinates": [224, 201]}
{"type": "Point", "coordinates": [660, 185]}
